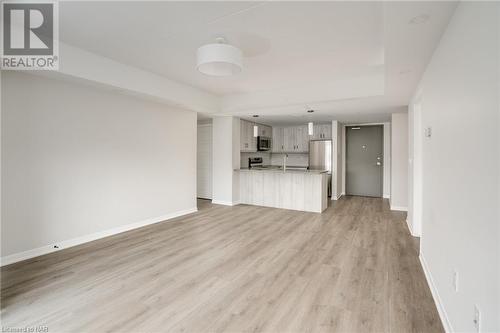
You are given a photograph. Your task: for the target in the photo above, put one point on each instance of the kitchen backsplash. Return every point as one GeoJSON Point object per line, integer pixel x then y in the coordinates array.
{"type": "Point", "coordinates": [293, 159]}
{"type": "Point", "coordinates": [266, 158]}
{"type": "Point", "coordinates": [275, 159]}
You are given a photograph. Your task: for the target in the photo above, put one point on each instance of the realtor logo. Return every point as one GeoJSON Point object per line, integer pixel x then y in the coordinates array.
{"type": "Point", "coordinates": [30, 35]}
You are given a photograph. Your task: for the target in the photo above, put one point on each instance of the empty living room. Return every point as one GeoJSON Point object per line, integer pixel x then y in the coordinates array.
{"type": "Point", "coordinates": [250, 166]}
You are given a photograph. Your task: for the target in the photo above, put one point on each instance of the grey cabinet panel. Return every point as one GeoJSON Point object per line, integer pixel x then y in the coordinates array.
{"type": "Point", "coordinates": [322, 132]}
{"type": "Point", "coordinates": [289, 139]}
{"type": "Point", "coordinates": [248, 143]}
{"type": "Point", "coordinates": [278, 145]}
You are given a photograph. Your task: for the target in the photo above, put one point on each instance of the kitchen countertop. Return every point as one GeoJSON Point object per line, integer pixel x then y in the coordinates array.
{"type": "Point", "coordinates": [278, 169]}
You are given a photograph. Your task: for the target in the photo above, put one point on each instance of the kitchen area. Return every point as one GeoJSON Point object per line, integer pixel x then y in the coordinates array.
{"type": "Point", "coordinates": [286, 167]}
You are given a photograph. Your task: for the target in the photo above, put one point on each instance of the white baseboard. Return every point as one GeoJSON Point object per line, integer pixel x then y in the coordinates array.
{"type": "Point", "coordinates": [435, 295]}
{"type": "Point", "coordinates": [338, 196]}
{"type": "Point", "coordinates": [225, 203]}
{"type": "Point", "coordinates": [410, 228]}
{"type": "Point", "coordinates": [386, 196]}
{"type": "Point", "coordinates": [399, 208]}
{"type": "Point", "coordinates": [57, 246]}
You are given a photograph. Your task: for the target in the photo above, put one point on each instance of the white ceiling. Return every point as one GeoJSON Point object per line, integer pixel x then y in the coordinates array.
{"type": "Point", "coordinates": [296, 54]}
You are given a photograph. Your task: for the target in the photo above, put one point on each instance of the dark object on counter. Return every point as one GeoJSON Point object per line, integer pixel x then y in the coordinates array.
{"type": "Point", "coordinates": [254, 161]}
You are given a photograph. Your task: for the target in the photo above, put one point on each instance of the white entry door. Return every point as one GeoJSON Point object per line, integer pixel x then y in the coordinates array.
{"type": "Point", "coordinates": [204, 161]}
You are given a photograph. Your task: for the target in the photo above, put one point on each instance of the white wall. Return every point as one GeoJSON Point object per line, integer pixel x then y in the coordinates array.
{"type": "Point", "coordinates": [226, 159]}
{"type": "Point", "coordinates": [204, 161]}
{"type": "Point", "coordinates": [338, 163]}
{"type": "Point", "coordinates": [77, 161]}
{"type": "Point", "coordinates": [460, 221]}
{"type": "Point", "coordinates": [387, 161]}
{"type": "Point", "coordinates": [415, 137]}
{"type": "Point", "coordinates": [399, 161]}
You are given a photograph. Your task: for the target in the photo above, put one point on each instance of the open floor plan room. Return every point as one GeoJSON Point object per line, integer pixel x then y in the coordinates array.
{"type": "Point", "coordinates": [353, 268]}
{"type": "Point", "coordinates": [250, 166]}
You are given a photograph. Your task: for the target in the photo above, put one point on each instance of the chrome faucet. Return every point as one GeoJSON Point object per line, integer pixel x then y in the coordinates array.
{"type": "Point", "coordinates": [285, 156]}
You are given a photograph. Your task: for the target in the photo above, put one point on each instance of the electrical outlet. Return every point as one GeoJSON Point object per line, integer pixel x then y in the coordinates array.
{"type": "Point", "coordinates": [455, 281]}
{"type": "Point", "coordinates": [477, 318]}
{"type": "Point", "coordinates": [428, 132]}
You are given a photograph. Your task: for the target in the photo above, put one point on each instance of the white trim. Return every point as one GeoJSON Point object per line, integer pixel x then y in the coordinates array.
{"type": "Point", "coordinates": [399, 208]}
{"type": "Point", "coordinates": [415, 165]}
{"type": "Point", "coordinates": [363, 124]}
{"type": "Point", "coordinates": [410, 228]}
{"type": "Point", "coordinates": [224, 203]}
{"type": "Point", "coordinates": [387, 157]}
{"type": "Point", "coordinates": [10, 259]}
{"type": "Point", "coordinates": [338, 197]}
{"type": "Point", "coordinates": [435, 295]}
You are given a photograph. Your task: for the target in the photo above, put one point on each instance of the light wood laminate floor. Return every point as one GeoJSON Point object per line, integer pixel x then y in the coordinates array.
{"type": "Point", "coordinates": [353, 268]}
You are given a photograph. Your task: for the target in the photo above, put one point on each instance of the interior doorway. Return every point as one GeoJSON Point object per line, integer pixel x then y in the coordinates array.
{"type": "Point", "coordinates": [204, 162]}
{"type": "Point", "coordinates": [364, 160]}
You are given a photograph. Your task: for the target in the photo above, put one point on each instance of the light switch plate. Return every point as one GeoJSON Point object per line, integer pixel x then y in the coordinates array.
{"type": "Point", "coordinates": [455, 281]}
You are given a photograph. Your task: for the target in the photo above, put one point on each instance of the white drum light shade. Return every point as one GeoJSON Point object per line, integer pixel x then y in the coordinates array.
{"type": "Point", "coordinates": [219, 59]}
{"type": "Point", "coordinates": [310, 128]}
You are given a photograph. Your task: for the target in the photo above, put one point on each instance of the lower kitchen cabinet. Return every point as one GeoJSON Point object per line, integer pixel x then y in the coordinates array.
{"type": "Point", "coordinates": [304, 191]}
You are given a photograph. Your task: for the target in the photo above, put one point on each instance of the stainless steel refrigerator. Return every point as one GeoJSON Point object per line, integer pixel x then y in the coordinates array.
{"type": "Point", "coordinates": [320, 158]}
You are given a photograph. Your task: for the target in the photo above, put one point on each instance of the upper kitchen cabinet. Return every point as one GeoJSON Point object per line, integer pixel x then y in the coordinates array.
{"type": "Point", "coordinates": [248, 143]}
{"type": "Point", "coordinates": [289, 139]}
{"type": "Point", "coordinates": [295, 139]}
{"type": "Point", "coordinates": [322, 132]}
{"type": "Point", "coordinates": [302, 139]}
{"type": "Point", "coordinates": [265, 130]}
{"type": "Point", "coordinates": [278, 145]}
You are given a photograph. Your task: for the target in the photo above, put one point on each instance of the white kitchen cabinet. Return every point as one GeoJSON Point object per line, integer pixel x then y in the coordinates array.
{"type": "Point", "coordinates": [265, 130]}
{"type": "Point", "coordinates": [295, 139]}
{"type": "Point", "coordinates": [301, 139]}
{"type": "Point", "coordinates": [248, 143]}
{"type": "Point", "coordinates": [304, 191]}
{"type": "Point", "coordinates": [289, 139]}
{"type": "Point", "coordinates": [278, 145]}
{"type": "Point", "coordinates": [322, 132]}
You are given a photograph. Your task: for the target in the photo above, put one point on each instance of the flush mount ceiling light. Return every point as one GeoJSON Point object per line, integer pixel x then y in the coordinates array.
{"type": "Point", "coordinates": [219, 59]}
{"type": "Point", "coordinates": [422, 18]}
{"type": "Point", "coordinates": [310, 111]}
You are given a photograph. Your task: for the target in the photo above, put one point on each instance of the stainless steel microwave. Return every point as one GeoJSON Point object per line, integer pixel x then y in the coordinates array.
{"type": "Point", "coordinates": [263, 143]}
